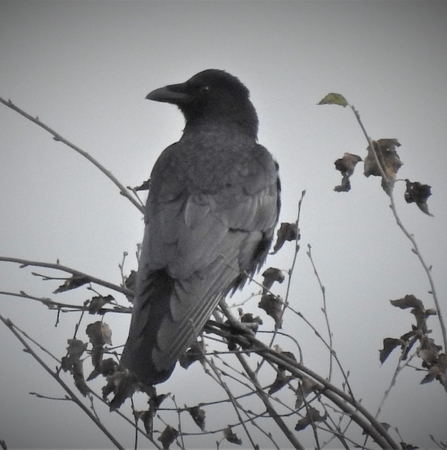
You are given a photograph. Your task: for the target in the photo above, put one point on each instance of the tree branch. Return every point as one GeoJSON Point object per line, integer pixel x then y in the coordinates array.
{"type": "Point", "coordinates": [57, 137]}
{"type": "Point", "coordinates": [57, 266]}
{"type": "Point", "coordinates": [71, 394]}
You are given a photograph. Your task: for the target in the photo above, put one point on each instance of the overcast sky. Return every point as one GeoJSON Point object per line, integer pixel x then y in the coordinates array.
{"type": "Point", "coordinates": [85, 68]}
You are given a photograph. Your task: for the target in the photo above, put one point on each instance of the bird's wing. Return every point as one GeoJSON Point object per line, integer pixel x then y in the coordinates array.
{"type": "Point", "coordinates": [197, 244]}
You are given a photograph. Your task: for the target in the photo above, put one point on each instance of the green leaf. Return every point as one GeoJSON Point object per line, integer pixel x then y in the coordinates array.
{"type": "Point", "coordinates": [334, 99]}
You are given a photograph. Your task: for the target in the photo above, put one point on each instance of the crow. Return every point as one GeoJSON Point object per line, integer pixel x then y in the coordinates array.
{"type": "Point", "coordinates": [210, 215]}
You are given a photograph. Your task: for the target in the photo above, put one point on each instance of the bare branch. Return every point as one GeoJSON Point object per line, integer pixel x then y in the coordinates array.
{"type": "Point", "coordinates": [56, 376]}
{"type": "Point", "coordinates": [57, 137]}
{"type": "Point", "coordinates": [24, 263]}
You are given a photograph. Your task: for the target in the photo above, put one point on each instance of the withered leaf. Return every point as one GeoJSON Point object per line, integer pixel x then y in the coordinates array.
{"type": "Point", "coordinates": [76, 348]}
{"type": "Point", "coordinates": [287, 232]}
{"type": "Point", "coordinates": [346, 166]}
{"type": "Point", "coordinates": [271, 275]}
{"type": "Point", "coordinates": [251, 322]}
{"type": "Point", "coordinates": [105, 368]}
{"type": "Point", "coordinates": [385, 149]}
{"type": "Point", "coordinates": [72, 283]}
{"type": "Point", "coordinates": [312, 416]}
{"type": "Point", "coordinates": [428, 351]}
{"type": "Point", "coordinates": [409, 301]}
{"type": "Point", "coordinates": [418, 310]}
{"type": "Point", "coordinates": [385, 425]}
{"type": "Point", "coordinates": [305, 387]}
{"type": "Point", "coordinates": [99, 333]}
{"type": "Point", "coordinates": [289, 355]}
{"type": "Point", "coordinates": [72, 363]}
{"type": "Point", "coordinates": [146, 418]}
{"type": "Point", "coordinates": [405, 446]}
{"type": "Point", "coordinates": [231, 437]}
{"type": "Point", "coordinates": [280, 381]}
{"type": "Point", "coordinates": [198, 415]}
{"type": "Point", "coordinates": [97, 302]}
{"type": "Point", "coordinates": [437, 371]}
{"type": "Point", "coordinates": [272, 305]}
{"type": "Point", "coordinates": [389, 344]}
{"type": "Point", "coordinates": [195, 353]}
{"type": "Point", "coordinates": [418, 193]}
{"type": "Point", "coordinates": [144, 186]}
{"type": "Point", "coordinates": [333, 99]}
{"type": "Point", "coordinates": [122, 384]}
{"type": "Point", "coordinates": [344, 186]}
{"type": "Point", "coordinates": [168, 436]}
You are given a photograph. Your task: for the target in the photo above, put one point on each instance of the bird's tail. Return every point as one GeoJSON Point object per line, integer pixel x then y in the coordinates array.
{"type": "Point", "coordinates": [151, 307]}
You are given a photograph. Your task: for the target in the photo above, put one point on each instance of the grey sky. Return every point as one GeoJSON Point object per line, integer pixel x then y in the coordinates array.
{"type": "Point", "coordinates": [85, 67]}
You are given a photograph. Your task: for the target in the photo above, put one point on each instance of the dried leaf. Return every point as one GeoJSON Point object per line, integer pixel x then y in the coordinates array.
{"type": "Point", "coordinates": [305, 387]}
{"type": "Point", "coordinates": [287, 232]}
{"type": "Point", "coordinates": [251, 322]}
{"type": "Point", "coordinates": [272, 305]}
{"type": "Point", "coordinates": [418, 310]}
{"type": "Point", "coordinates": [231, 437]}
{"type": "Point", "coordinates": [437, 371]}
{"type": "Point", "coordinates": [428, 351]}
{"type": "Point", "coordinates": [389, 344]}
{"type": "Point", "coordinates": [409, 301]}
{"type": "Point", "coordinates": [105, 368]}
{"type": "Point", "coordinates": [145, 186]}
{"type": "Point", "coordinates": [72, 363]}
{"type": "Point", "coordinates": [405, 446]}
{"type": "Point", "coordinates": [72, 283]}
{"type": "Point", "coordinates": [312, 416]}
{"type": "Point", "coordinates": [96, 303]}
{"type": "Point", "coordinates": [333, 99]}
{"type": "Point", "coordinates": [271, 275]}
{"type": "Point", "coordinates": [418, 193]}
{"type": "Point", "coordinates": [385, 149]}
{"type": "Point", "coordinates": [122, 384]}
{"type": "Point", "coordinates": [146, 418]}
{"type": "Point", "coordinates": [280, 381]}
{"type": "Point", "coordinates": [168, 436]}
{"type": "Point", "coordinates": [198, 415]}
{"type": "Point", "coordinates": [385, 425]}
{"type": "Point", "coordinates": [346, 166]}
{"type": "Point", "coordinates": [195, 353]}
{"type": "Point", "coordinates": [99, 333]}
{"type": "Point", "coordinates": [289, 355]}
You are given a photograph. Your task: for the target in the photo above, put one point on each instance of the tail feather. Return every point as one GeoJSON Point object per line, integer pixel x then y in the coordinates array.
{"type": "Point", "coordinates": [170, 313]}
{"type": "Point", "coordinates": [147, 318]}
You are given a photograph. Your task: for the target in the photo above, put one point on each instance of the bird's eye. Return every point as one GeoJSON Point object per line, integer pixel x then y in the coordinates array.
{"type": "Point", "coordinates": [204, 89]}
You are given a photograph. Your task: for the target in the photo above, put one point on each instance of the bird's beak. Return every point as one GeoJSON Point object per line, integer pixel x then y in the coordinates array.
{"type": "Point", "coordinates": [174, 93]}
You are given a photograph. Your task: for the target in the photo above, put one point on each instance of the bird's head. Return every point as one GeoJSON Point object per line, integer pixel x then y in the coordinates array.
{"type": "Point", "coordinates": [211, 96]}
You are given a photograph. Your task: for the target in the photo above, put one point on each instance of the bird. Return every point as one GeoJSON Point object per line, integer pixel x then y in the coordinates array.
{"type": "Point", "coordinates": [210, 215]}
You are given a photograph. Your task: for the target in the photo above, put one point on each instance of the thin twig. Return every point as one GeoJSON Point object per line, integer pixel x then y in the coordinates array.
{"type": "Point", "coordinates": [57, 137]}
{"type": "Point", "coordinates": [65, 307]}
{"type": "Point", "coordinates": [261, 394]}
{"type": "Point", "coordinates": [232, 400]}
{"type": "Point", "coordinates": [369, 424]}
{"type": "Point", "coordinates": [427, 270]}
{"type": "Point", "coordinates": [328, 325]}
{"type": "Point", "coordinates": [415, 249]}
{"type": "Point", "coordinates": [290, 273]}
{"type": "Point", "coordinates": [26, 262]}
{"type": "Point", "coordinates": [54, 375]}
